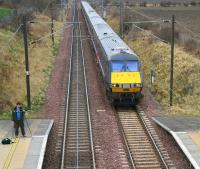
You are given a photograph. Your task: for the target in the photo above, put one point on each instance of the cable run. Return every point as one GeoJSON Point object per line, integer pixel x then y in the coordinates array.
{"type": "Point", "coordinates": [152, 18]}
{"type": "Point", "coordinates": [149, 17]}
{"type": "Point", "coordinates": [48, 35]}
{"type": "Point", "coordinates": [12, 37]}
{"type": "Point", "coordinates": [46, 7]}
{"type": "Point", "coordinates": [156, 37]}
{"type": "Point", "coordinates": [189, 30]}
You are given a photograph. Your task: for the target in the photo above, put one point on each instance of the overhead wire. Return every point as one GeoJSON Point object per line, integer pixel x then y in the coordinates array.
{"type": "Point", "coordinates": [11, 38]}
{"type": "Point", "coordinates": [142, 14]}
{"type": "Point", "coordinates": [48, 35]}
{"type": "Point", "coordinates": [49, 22]}
{"type": "Point", "coordinates": [178, 23]}
{"type": "Point", "coordinates": [153, 20]}
{"type": "Point", "coordinates": [156, 37]}
{"type": "Point", "coordinates": [50, 1]}
{"type": "Point", "coordinates": [189, 30]}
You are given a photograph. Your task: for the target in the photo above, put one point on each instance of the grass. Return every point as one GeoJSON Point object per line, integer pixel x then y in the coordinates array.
{"type": "Point", "coordinates": [12, 69]}
{"type": "Point", "coordinates": [5, 12]}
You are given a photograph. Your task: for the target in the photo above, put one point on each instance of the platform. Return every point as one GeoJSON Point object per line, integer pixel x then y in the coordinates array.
{"type": "Point", "coordinates": [26, 152]}
{"type": "Point", "coordinates": [186, 132]}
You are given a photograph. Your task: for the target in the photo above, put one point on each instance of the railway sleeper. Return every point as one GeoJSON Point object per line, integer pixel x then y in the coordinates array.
{"type": "Point", "coordinates": [74, 135]}
{"type": "Point", "coordinates": [147, 160]}
{"type": "Point", "coordinates": [80, 110]}
{"type": "Point", "coordinates": [80, 119]}
{"type": "Point", "coordinates": [81, 167]}
{"type": "Point", "coordinates": [136, 136]}
{"type": "Point", "coordinates": [149, 167]}
{"type": "Point", "coordinates": [82, 116]}
{"type": "Point", "coordinates": [82, 126]}
{"type": "Point", "coordinates": [80, 144]}
{"type": "Point", "coordinates": [145, 156]}
{"type": "Point", "coordinates": [135, 142]}
{"type": "Point", "coordinates": [147, 163]}
{"type": "Point", "coordinates": [81, 135]}
{"type": "Point", "coordinates": [136, 146]}
{"type": "Point", "coordinates": [84, 137]}
{"type": "Point", "coordinates": [80, 148]}
{"type": "Point", "coordinates": [134, 129]}
{"type": "Point", "coordinates": [143, 152]}
{"type": "Point", "coordinates": [132, 126]}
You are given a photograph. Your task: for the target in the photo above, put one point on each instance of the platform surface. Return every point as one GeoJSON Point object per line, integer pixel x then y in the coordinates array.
{"type": "Point", "coordinates": [186, 132]}
{"type": "Point", "coordinates": [27, 152]}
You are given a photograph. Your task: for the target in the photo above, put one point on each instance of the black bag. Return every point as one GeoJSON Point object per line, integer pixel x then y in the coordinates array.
{"type": "Point", "coordinates": [6, 141]}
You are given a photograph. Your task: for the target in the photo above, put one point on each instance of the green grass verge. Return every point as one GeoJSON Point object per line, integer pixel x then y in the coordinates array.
{"type": "Point", "coordinates": [5, 12]}
{"type": "Point", "coordinates": [41, 59]}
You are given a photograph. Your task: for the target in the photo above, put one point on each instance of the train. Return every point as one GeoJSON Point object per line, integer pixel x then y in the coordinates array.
{"type": "Point", "coordinates": [120, 67]}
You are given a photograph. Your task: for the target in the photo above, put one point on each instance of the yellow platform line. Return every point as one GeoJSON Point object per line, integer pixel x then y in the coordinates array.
{"type": "Point", "coordinates": [10, 154]}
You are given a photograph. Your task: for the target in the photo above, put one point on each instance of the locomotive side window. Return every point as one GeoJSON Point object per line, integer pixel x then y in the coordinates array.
{"type": "Point", "coordinates": [128, 66]}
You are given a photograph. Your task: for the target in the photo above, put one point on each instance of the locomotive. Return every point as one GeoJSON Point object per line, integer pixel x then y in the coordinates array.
{"type": "Point", "coordinates": [119, 65]}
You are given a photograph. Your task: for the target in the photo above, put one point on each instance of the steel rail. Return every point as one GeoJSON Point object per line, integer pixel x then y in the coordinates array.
{"type": "Point", "coordinates": [152, 140]}
{"type": "Point", "coordinates": [67, 100]}
{"type": "Point", "coordinates": [125, 139]}
{"type": "Point", "coordinates": [77, 87]}
{"type": "Point", "coordinates": [76, 49]}
{"type": "Point", "coordinates": [146, 128]}
{"type": "Point", "coordinates": [88, 107]}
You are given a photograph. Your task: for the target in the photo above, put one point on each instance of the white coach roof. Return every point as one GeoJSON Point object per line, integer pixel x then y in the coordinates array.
{"type": "Point", "coordinates": [110, 41]}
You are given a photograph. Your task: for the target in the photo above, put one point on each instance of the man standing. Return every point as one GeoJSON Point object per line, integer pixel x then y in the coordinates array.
{"type": "Point", "coordinates": [18, 118]}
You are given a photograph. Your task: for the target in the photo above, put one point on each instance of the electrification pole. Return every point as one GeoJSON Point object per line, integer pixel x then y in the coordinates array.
{"type": "Point", "coordinates": [121, 18]}
{"type": "Point", "coordinates": [102, 8]}
{"type": "Point", "coordinates": [52, 24]}
{"type": "Point", "coordinates": [172, 62]}
{"type": "Point", "coordinates": [27, 63]}
{"type": "Point", "coordinates": [61, 8]}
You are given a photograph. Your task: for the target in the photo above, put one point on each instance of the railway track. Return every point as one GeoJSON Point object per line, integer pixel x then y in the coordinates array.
{"type": "Point", "coordinates": [77, 150]}
{"type": "Point", "coordinates": [144, 147]}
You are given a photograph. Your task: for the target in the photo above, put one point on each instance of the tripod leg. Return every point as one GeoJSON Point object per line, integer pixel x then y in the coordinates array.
{"type": "Point", "coordinates": [28, 126]}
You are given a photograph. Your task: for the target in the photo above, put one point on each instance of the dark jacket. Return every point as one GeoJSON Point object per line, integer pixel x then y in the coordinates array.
{"type": "Point", "coordinates": [14, 114]}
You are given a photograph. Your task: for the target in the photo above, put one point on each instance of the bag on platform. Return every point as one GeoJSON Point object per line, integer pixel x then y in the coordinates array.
{"type": "Point", "coordinates": [6, 141]}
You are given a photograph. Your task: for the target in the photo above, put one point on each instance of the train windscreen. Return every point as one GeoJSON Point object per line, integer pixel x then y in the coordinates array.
{"type": "Point", "coordinates": [127, 66]}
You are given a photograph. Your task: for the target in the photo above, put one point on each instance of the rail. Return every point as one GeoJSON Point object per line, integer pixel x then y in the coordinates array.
{"type": "Point", "coordinates": [78, 147]}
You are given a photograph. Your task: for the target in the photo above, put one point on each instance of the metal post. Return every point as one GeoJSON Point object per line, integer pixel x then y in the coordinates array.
{"type": "Point", "coordinates": [61, 8]}
{"type": "Point", "coordinates": [52, 27]}
{"type": "Point", "coordinates": [172, 62]}
{"type": "Point", "coordinates": [27, 63]}
{"type": "Point", "coordinates": [121, 18]}
{"type": "Point", "coordinates": [102, 8]}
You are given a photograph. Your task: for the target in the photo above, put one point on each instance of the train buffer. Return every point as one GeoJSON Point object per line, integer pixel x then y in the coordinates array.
{"type": "Point", "coordinates": [186, 132]}
{"type": "Point", "coordinates": [25, 152]}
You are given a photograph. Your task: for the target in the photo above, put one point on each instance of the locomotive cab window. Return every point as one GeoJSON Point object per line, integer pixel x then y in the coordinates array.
{"type": "Point", "coordinates": [127, 66]}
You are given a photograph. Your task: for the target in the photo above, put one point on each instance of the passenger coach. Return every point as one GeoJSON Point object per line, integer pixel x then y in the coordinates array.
{"type": "Point", "coordinates": [120, 66]}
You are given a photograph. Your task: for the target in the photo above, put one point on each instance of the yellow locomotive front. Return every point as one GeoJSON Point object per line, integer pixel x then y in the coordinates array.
{"type": "Point", "coordinates": [126, 80]}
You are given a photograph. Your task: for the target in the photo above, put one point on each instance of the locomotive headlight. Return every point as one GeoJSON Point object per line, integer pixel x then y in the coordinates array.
{"type": "Point", "coordinates": [113, 85]}
{"type": "Point", "coordinates": [138, 85]}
